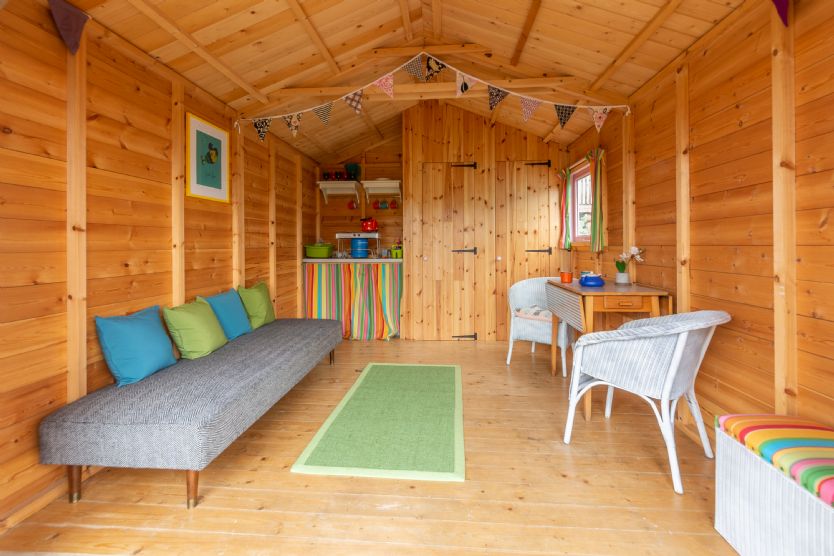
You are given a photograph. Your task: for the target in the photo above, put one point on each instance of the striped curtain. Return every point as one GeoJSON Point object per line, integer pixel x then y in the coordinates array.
{"type": "Point", "coordinates": [375, 311]}
{"type": "Point", "coordinates": [565, 208]}
{"type": "Point", "coordinates": [596, 158]}
{"type": "Point", "coordinates": [328, 292]}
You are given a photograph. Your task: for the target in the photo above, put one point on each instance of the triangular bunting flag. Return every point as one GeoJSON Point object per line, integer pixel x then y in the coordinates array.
{"type": "Point", "coordinates": [433, 67]}
{"type": "Point", "coordinates": [323, 112]}
{"type": "Point", "coordinates": [464, 83]}
{"type": "Point", "coordinates": [564, 112]}
{"type": "Point", "coordinates": [354, 100]}
{"type": "Point", "coordinates": [600, 115]}
{"type": "Point", "coordinates": [496, 95]}
{"type": "Point", "coordinates": [386, 84]}
{"type": "Point", "coordinates": [528, 106]}
{"type": "Point", "coordinates": [69, 20]}
{"type": "Point", "coordinates": [262, 126]}
{"type": "Point", "coordinates": [782, 10]}
{"type": "Point", "coordinates": [414, 67]}
{"type": "Point", "coordinates": [293, 122]}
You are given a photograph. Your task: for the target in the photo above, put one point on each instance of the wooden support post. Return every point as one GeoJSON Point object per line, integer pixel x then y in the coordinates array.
{"type": "Point", "coordinates": [238, 222]}
{"type": "Point", "coordinates": [629, 181]}
{"type": "Point", "coordinates": [177, 193]}
{"type": "Point", "coordinates": [273, 224]}
{"type": "Point", "coordinates": [192, 479]}
{"type": "Point", "coordinates": [784, 212]}
{"type": "Point", "coordinates": [318, 204]}
{"type": "Point", "coordinates": [74, 483]}
{"type": "Point", "coordinates": [77, 222]}
{"type": "Point", "coordinates": [300, 310]}
{"type": "Point", "coordinates": [682, 195]}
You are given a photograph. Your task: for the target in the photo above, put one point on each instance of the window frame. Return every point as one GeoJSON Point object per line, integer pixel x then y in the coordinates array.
{"type": "Point", "coordinates": [580, 171]}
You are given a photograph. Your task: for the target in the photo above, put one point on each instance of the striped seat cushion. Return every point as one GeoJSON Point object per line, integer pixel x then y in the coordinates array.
{"type": "Point", "coordinates": [800, 448]}
{"type": "Point", "coordinates": [534, 312]}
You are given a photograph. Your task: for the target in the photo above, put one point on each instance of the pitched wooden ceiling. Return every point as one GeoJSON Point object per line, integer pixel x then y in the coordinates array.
{"type": "Point", "coordinates": [267, 57]}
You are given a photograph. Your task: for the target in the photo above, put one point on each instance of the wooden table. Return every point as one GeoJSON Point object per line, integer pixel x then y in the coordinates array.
{"type": "Point", "coordinates": [577, 304]}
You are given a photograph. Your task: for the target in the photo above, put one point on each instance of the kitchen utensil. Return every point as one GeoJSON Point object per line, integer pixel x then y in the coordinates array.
{"type": "Point", "coordinates": [369, 224]}
{"type": "Point", "coordinates": [318, 250]}
{"type": "Point", "coordinates": [566, 277]}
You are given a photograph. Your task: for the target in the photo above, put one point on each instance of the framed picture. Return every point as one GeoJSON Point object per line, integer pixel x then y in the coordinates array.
{"type": "Point", "coordinates": [207, 169]}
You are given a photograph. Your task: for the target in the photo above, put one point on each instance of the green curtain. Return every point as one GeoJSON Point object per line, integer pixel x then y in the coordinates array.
{"type": "Point", "coordinates": [566, 208]}
{"type": "Point", "coordinates": [596, 158]}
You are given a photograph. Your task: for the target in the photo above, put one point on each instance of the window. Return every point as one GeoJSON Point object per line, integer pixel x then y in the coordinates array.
{"type": "Point", "coordinates": [581, 211]}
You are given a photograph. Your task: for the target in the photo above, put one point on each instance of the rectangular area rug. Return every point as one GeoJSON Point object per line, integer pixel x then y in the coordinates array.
{"type": "Point", "coordinates": [398, 421]}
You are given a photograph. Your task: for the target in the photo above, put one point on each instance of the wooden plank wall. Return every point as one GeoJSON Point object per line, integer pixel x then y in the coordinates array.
{"type": "Point", "coordinates": [437, 132]}
{"type": "Point", "coordinates": [129, 150]}
{"type": "Point", "coordinates": [33, 173]}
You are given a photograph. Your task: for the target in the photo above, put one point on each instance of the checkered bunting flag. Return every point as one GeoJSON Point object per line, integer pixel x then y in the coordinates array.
{"type": "Point", "coordinates": [414, 67]}
{"type": "Point", "coordinates": [386, 84]}
{"type": "Point", "coordinates": [262, 127]}
{"type": "Point", "coordinates": [323, 112]}
{"type": "Point", "coordinates": [600, 115]}
{"type": "Point", "coordinates": [433, 67]}
{"type": "Point", "coordinates": [564, 112]}
{"type": "Point", "coordinates": [496, 95]}
{"type": "Point", "coordinates": [463, 83]}
{"type": "Point", "coordinates": [354, 100]}
{"type": "Point", "coordinates": [528, 107]}
{"type": "Point", "coordinates": [293, 122]}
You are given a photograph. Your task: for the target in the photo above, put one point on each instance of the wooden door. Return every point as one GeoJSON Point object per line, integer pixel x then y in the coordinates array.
{"type": "Point", "coordinates": [446, 279]}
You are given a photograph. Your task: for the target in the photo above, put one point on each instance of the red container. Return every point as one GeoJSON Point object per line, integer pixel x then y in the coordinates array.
{"type": "Point", "coordinates": [566, 277]}
{"type": "Point", "coordinates": [370, 224]}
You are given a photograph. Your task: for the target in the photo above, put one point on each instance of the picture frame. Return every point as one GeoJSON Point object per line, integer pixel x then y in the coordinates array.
{"type": "Point", "coordinates": [207, 162]}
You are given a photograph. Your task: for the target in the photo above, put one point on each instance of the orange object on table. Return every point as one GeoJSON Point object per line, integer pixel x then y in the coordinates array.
{"type": "Point", "coordinates": [566, 277]}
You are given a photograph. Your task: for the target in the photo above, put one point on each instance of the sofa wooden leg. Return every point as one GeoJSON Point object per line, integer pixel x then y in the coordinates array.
{"type": "Point", "coordinates": [191, 481]}
{"type": "Point", "coordinates": [74, 480]}
{"type": "Point", "coordinates": [332, 356]}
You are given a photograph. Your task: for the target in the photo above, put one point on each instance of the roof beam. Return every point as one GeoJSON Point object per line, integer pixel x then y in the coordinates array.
{"type": "Point", "coordinates": [409, 32]}
{"type": "Point", "coordinates": [437, 50]}
{"type": "Point", "coordinates": [635, 43]}
{"type": "Point", "coordinates": [532, 13]}
{"type": "Point", "coordinates": [436, 18]}
{"type": "Point", "coordinates": [154, 14]}
{"type": "Point", "coordinates": [302, 18]}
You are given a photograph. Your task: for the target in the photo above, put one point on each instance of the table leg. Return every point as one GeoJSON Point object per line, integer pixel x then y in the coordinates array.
{"type": "Point", "coordinates": [589, 327]}
{"type": "Point", "coordinates": [671, 308]}
{"type": "Point", "coordinates": [655, 306]}
{"type": "Point", "coordinates": [554, 336]}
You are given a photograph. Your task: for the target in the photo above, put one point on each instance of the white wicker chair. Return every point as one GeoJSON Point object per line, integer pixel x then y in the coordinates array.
{"type": "Point", "coordinates": [657, 359]}
{"type": "Point", "coordinates": [525, 295]}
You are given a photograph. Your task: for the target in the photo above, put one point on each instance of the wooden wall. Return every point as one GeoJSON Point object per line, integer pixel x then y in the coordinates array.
{"type": "Point", "coordinates": [131, 112]}
{"type": "Point", "coordinates": [497, 225]}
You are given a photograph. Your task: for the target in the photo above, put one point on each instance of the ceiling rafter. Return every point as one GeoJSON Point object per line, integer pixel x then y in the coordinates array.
{"type": "Point", "coordinates": [369, 122]}
{"type": "Point", "coordinates": [409, 32]}
{"type": "Point", "coordinates": [436, 49]}
{"type": "Point", "coordinates": [158, 17]}
{"type": "Point", "coordinates": [305, 22]}
{"type": "Point", "coordinates": [532, 13]}
{"type": "Point", "coordinates": [436, 18]}
{"type": "Point", "coordinates": [653, 25]}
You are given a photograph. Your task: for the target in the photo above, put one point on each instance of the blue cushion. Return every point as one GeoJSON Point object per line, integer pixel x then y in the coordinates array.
{"type": "Point", "coordinates": [135, 346]}
{"type": "Point", "coordinates": [230, 312]}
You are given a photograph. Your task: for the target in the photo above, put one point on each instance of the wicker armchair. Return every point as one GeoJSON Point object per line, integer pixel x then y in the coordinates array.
{"type": "Point", "coordinates": [657, 359]}
{"type": "Point", "coordinates": [531, 321]}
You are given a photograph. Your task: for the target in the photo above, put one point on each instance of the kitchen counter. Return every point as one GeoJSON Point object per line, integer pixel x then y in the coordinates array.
{"type": "Point", "coordinates": [353, 261]}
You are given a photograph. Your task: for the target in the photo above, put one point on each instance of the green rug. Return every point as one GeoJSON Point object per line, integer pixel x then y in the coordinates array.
{"type": "Point", "coordinates": [398, 421]}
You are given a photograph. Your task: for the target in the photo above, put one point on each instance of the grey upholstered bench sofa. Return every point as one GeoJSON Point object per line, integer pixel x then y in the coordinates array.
{"type": "Point", "coordinates": [184, 416]}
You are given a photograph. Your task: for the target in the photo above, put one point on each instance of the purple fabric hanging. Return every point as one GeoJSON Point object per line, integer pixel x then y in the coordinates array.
{"type": "Point", "coordinates": [782, 10]}
{"type": "Point", "coordinates": [70, 22]}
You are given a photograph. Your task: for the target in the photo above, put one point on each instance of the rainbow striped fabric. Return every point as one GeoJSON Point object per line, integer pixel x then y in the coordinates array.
{"type": "Point", "coordinates": [800, 448]}
{"type": "Point", "coordinates": [365, 297]}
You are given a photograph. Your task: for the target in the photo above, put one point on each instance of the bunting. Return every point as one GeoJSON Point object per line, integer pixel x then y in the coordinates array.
{"type": "Point", "coordinates": [600, 114]}
{"type": "Point", "coordinates": [293, 123]}
{"type": "Point", "coordinates": [464, 83]}
{"type": "Point", "coordinates": [433, 67]}
{"type": "Point", "coordinates": [496, 95]}
{"type": "Point", "coordinates": [323, 112]}
{"type": "Point", "coordinates": [386, 84]}
{"type": "Point", "coordinates": [354, 100]}
{"type": "Point", "coordinates": [414, 67]}
{"type": "Point", "coordinates": [782, 10]}
{"type": "Point", "coordinates": [564, 112]}
{"type": "Point", "coordinates": [69, 20]}
{"type": "Point", "coordinates": [528, 107]}
{"type": "Point", "coordinates": [262, 126]}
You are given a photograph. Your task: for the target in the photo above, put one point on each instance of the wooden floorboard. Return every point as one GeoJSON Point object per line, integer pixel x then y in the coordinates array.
{"type": "Point", "coordinates": [526, 492]}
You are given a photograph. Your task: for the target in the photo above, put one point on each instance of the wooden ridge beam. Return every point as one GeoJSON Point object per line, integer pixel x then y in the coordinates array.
{"type": "Point", "coordinates": [532, 13]}
{"type": "Point", "coordinates": [305, 22]}
{"type": "Point", "coordinates": [154, 14]}
{"type": "Point", "coordinates": [437, 50]}
{"type": "Point", "coordinates": [635, 43]}
{"type": "Point", "coordinates": [409, 32]}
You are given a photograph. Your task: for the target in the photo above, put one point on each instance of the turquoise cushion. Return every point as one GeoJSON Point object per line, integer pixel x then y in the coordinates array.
{"type": "Point", "coordinates": [230, 312]}
{"type": "Point", "coordinates": [135, 346]}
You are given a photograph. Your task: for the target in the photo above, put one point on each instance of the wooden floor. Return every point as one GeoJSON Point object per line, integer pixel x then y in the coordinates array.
{"type": "Point", "coordinates": [526, 492]}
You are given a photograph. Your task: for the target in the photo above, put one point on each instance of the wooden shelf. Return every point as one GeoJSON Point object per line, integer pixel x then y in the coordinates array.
{"type": "Point", "coordinates": [339, 188]}
{"type": "Point", "coordinates": [381, 187]}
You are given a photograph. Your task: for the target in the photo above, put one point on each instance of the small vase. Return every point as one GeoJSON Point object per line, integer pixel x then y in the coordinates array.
{"type": "Point", "coordinates": [622, 278]}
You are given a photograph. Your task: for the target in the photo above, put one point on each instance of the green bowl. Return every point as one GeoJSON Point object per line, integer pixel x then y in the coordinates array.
{"type": "Point", "coordinates": [318, 251]}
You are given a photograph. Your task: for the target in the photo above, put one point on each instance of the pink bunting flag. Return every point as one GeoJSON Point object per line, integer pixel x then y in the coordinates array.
{"type": "Point", "coordinates": [600, 114]}
{"type": "Point", "coordinates": [386, 84]}
{"type": "Point", "coordinates": [528, 107]}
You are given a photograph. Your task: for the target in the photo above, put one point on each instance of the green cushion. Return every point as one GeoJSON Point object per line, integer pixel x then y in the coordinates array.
{"type": "Point", "coordinates": [258, 304]}
{"type": "Point", "coordinates": [195, 329]}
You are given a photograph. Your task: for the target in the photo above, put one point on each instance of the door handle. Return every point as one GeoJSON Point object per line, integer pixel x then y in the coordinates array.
{"type": "Point", "coordinates": [474, 250]}
{"type": "Point", "coordinates": [549, 250]}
